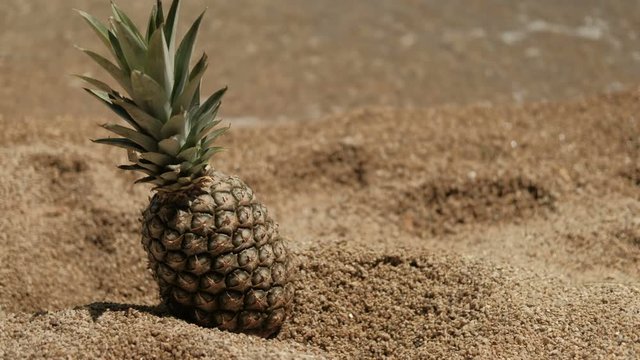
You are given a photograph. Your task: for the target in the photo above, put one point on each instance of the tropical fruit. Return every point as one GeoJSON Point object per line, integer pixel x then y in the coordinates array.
{"type": "Point", "coordinates": [212, 247]}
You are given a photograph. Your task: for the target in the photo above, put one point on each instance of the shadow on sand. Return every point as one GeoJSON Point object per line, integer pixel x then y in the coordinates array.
{"type": "Point", "coordinates": [96, 309]}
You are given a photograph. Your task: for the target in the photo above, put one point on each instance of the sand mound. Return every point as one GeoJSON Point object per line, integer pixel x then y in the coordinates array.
{"type": "Point", "coordinates": [120, 331]}
{"type": "Point", "coordinates": [456, 231]}
{"type": "Point", "coordinates": [413, 305]}
{"type": "Point", "coordinates": [357, 303]}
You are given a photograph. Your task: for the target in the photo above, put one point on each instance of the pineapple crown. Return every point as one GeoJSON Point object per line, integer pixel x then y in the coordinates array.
{"type": "Point", "coordinates": [171, 134]}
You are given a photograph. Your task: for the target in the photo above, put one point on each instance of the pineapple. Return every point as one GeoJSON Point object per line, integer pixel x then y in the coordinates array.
{"type": "Point", "coordinates": [212, 247]}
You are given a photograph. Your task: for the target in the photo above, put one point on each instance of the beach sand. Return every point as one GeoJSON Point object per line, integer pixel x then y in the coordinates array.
{"type": "Point", "coordinates": [465, 228]}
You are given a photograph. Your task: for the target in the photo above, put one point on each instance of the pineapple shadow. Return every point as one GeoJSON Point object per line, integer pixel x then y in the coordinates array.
{"type": "Point", "coordinates": [97, 309]}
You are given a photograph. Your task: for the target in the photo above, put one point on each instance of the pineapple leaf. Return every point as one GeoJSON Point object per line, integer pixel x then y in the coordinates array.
{"type": "Point", "coordinates": [113, 70]}
{"type": "Point", "coordinates": [120, 142]}
{"type": "Point", "coordinates": [105, 99]}
{"type": "Point", "coordinates": [185, 166]}
{"type": "Point", "coordinates": [198, 168]}
{"type": "Point", "coordinates": [133, 48]}
{"type": "Point", "coordinates": [170, 146]}
{"type": "Point", "coordinates": [183, 57]}
{"type": "Point", "coordinates": [148, 165]}
{"type": "Point", "coordinates": [203, 126]}
{"type": "Point", "coordinates": [111, 100]}
{"type": "Point", "coordinates": [171, 134]}
{"type": "Point", "coordinates": [157, 158]}
{"type": "Point", "coordinates": [200, 67]}
{"type": "Point", "coordinates": [147, 123]}
{"type": "Point", "coordinates": [184, 101]}
{"type": "Point", "coordinates": [101, 30]}
{"type": "Point", "coordinates": [159, 65]}
{"type": "Point", "coordinates": [188, 154]}
{"type": "Point", "coordinates": [106, 36]}
{"type": "Point", "coordinates": [150, 179]}
{"type": "Point", "coordinates": [207, 125]}
{"type": "Point", "coordinates": [149, 94]}
{"type": "Point", "coordinates": [148, 143]}
{"type": "Point", "coordinates": [207, 121]}
{"type": "Point", "coordinates": [175, 126]}
{"type": "Point", "coordinates": [196, 98]}
{"type": "Point", "coordinates": [159, 14]}
{"type": "Point", "coordinates": [119, 55]}
{"type": "Point", "coordinates": [213, 136]}
{"type": "Point", "coordinates": [210, 152]}
{"type": "Point", "coordinates": [136, 168]}
{"type": "Point", "coordinates": [199, 129]}
{"type": "Point", "coordinates": [184, 180]}
{"type": "Point", "coordinates": [210, 106]}
{"type": "Point", "coordinates": [170, 176]}
{"type": "Point", "coordinates": [171, 26]}
{"type": "Point", "coordinates": [152, 24]}
{"type": "Point", "coordinates": [97, 83]}
{"type": "Point", "coordinates": [124, 19]}
{"type": "Point", "coordinates": [210, 131]}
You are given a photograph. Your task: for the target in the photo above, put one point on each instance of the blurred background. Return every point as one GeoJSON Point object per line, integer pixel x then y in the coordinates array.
{"type": "Point", "coordinates": [299, 60]}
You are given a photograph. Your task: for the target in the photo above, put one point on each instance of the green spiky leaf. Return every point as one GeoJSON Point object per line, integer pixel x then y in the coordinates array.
{"type": "Point", "coordinates": [146, 122]}
{"type": "Point", "coordinates": [196, 99]}
{"type": "Point", "coordinates": [196, 131]}
{"type": "Point", "coordinates": [112, 69]}
{"type": "Point", "coordinates": [136, 168]}
{"type": "Point", "coordinates": [97, 83]}
{"type": "Point", "coordinates": [209, 130]}
{"type": "Point", "coordinates": [158, 63]}
{"type": "Point", "coordinates": [210, 152]}
{"type": "Point", "coordinates": [170, 175]}
{"type": "Point", "coordinates": [148, 143]}
{"type": "Point", "coordinates": [100, 29]}
{"type": "Point", "coordinates": [149, 166]}
{"type": "Point", "coordinates": [159, 14]}
{"type": "Point", "coordinates": [171, 26]}
{"type": "Point", "coordinates": [175, 126]}
{"type": "Point", "coordinates": [122, 17]}
{"type": "Point", "coordinates": [152, 24]}
{"type": "Point", "coordinates": [157, 158]}
{"type": "Point", "coordinates": [119, 55]}
{"type": "Point", "coordinates": [210, 138]}
{"type": "Point", "coordinates": [198, 168]}
{"type": "Point", "coordinates": [120, 142]}
{"type": "Point", "coordinates": [184, 101]}
{"type": "Point", "coordinates": [183, 57]}
{"type": "Point", "coordinates": [150, 95]}
{"type": "Point", "coordinates": [107, 100]}
{"type": "Point", "coordinates": [188, 154]}
{"type": "Point", "coordinates": [170, 146]}
{"type": "Point", "coordinates": [133, 48]}
{"type": "Point", "coordinates": [172, 135]}
{"type": "Point", "coordinates": [210, 105]}
{"type": "Point", "coordinates": [150, 179]}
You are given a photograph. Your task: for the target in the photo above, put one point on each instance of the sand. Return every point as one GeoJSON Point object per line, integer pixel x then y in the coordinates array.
{"type": "Point", "coordinates": [423, 229]}
{"type": "Point", "coordinates": [485, 231]}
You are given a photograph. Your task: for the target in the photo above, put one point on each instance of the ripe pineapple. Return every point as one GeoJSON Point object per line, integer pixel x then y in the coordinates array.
{"type": "Point", "coordinates": [212, 247]}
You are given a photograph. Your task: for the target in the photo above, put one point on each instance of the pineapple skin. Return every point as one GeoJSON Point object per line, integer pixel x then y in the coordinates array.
{"type": "Point", "coordinates": [218, 258]}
